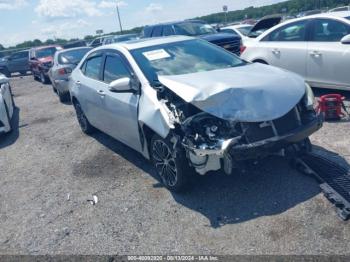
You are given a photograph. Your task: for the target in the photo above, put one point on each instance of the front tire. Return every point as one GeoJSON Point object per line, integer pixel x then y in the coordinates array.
{"type": "Point", "coordinates": [171, 164]}
{"type": "Point", "coordinates": [84, 123]}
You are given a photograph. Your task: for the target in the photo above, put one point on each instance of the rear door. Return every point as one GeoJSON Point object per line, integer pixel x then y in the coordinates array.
{"type": "Point", "coordinates": [120, 110]}
{"type": "Point", "coordinates": [286, 47]}
{"type": "Point", "coordinates": [88, 86]}
{"type": "Point", "coordinates": [328, 60]}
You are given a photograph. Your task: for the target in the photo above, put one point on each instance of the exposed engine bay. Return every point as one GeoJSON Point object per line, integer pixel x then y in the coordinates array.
{"type": "Point", "coordinates": [212, 143]}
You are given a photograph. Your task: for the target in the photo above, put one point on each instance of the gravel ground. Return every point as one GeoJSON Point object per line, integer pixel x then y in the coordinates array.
{"type": "Point", "coordinates": [271, 209]}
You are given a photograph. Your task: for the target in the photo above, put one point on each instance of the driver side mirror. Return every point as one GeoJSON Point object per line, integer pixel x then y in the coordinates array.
{"type": "Point", "coordinates": [122, 85]}
{"type": "Point", "coordinates": [345, 40]}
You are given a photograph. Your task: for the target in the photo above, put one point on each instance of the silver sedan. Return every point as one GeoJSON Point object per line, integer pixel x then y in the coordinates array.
{"type": "Point", "coordinates": [64, 62]}
{"type": "Point", "coordinates": [188, 105]}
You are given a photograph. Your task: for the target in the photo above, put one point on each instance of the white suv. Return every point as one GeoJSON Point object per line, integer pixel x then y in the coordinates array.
{"type": "Point", "coordinates": [316, 47]}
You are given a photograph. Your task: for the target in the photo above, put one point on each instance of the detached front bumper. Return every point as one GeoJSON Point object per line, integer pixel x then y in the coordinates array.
{"type": "Point", "coordinates": [206, 159]}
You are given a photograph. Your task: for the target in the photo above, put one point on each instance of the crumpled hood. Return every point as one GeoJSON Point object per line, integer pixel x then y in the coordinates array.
{"type": "Point", "coordinates": [250, 93]}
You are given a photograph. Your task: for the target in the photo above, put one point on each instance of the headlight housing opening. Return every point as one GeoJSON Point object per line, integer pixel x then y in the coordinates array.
{"type": "Point", "coordinates": [309, 98]}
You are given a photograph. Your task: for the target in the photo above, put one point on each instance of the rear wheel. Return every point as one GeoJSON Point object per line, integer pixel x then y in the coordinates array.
{"type": "Point", "coordinates": [8, 117]}
{"type": "Point", "coordinates": [43, 78]}
{"type": "Point", "coordinates": [171, 164]}
{"type": "Point", "coordinates": [62, 96]}
{"type": "Point", "coordinates": [84, 123]}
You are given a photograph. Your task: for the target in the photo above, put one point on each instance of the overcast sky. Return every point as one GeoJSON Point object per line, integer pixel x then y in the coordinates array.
{"type": "Point", "coordinates": [29, 19]}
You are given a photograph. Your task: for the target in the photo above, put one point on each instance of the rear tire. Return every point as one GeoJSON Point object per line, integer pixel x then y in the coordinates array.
{"type": "Point", "coordinates": [8, 117]}
{"type": "Point", "coordinates": [84, 123]}
{"type": "Point", "coordinates": [63, 97]}
{"type": "Point", "coordinates": [43, 78]}
{"type": "Point", "coordinates": [171, 165]}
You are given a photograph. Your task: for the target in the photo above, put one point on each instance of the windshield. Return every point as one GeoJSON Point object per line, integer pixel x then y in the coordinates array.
{"type": "Point", "coordinates": [245, 30]}
{"type": "Point", "coordinates": [73, 56]}
{"type": "Point", "coordinates": [184, 57]}
{"type": "Point", "coordinates": [46, 52]}
{"type": "Point", "coordinates": [194, 29]}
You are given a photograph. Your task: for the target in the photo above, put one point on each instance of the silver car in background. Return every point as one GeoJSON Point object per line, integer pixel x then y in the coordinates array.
{"type": "Point", "coordinates": [64, 62]}
{"type": "Point", "coordinates": [189, 105]}
{"type": "Point", "coordinates": [7, 105]}
{"type": "Point", "coordinates": [315, 47]}
{"type": "Point", "coordinates": [120, 38]}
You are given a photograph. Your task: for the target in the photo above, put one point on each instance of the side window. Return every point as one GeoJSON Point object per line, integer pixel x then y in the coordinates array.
{"type": "Point", "coordinates": [293, 32]}
{"type": "Point", "coordinates": [327, 30]}
{"type": "Point", "coordinates": [157, 31]}
{"type": "Point", "coordinates": [168, 30]}
{"type": "Point", "coordinates": [114, 69]}
{"type": "Point", "coordinates": [16, 56]}
{"type": "Point", "coordinates": [92, 67]}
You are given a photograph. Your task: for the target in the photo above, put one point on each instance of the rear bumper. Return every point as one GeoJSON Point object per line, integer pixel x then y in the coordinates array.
{"type": "Point", "coordinates": [61, 85]}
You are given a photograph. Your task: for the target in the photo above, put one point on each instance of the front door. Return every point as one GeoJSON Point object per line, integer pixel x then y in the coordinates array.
{"type": "Point", "coordinates": [328, 60]}
{"type": "Point", "coordinates": [120, 109]}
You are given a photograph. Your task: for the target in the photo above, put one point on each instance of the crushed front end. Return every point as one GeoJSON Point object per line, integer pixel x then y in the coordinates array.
{"type": "Point", "coordinates": [212, 143]}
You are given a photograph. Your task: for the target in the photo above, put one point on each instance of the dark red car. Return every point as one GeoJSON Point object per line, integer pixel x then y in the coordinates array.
{"type": "Point", "coordinates": [40, 61]}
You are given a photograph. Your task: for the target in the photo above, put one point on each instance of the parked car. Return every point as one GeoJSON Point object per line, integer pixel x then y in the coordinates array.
{"type": "Point", "coordinates": [242, 30]}
{"type": "Point", "coordinates": [264, 24]}
{"type": "Point", "coordinates": [40, 61]}
{"type": "Point", "coordinates": [120, 38]}
{"type": "Point", "coordinates": [316, 47]}
{"type": "Point", "coordinates": [189, 105]}
{"type": "Point", "coordinates": [6, 105]}
{"type": "Point", "coordinates": [99, 41]}
{"type": "Point", "coordinates": [340, 9]}
{"type": "Point", "coordinates": [63, 64]}
{"type": "Point", "coordinates": [195, 28]}
{"type": "Point", "coordinates": [15, 63]}
{"type": "Point", "coordinates": [77, 43]}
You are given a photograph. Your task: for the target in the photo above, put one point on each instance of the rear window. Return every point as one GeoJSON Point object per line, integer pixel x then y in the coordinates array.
{"type": "Point", "coordinates": [73, 56]}
{"type": "Point", "coordinates": [46, 52]}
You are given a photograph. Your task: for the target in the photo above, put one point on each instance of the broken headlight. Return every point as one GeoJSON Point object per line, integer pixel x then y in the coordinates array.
{"type": "Point", "coordinates": [309, 98]}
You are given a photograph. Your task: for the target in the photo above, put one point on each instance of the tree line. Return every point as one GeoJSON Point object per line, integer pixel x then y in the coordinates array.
{"type": "Point", "coordinates": [291, 7]}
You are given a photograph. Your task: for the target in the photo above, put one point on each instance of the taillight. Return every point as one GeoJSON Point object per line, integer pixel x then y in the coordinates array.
{"type": "Point", "coordinates": [64, 71]}
{"type": "Point", "coordinates": [242, 48]}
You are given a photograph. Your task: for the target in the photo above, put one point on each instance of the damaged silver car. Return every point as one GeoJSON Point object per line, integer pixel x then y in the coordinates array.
{"type": "Point", "coordinates": [190, 106]}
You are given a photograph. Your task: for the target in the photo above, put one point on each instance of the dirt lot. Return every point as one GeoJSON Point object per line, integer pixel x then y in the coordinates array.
{"type": "Point", "coordinates": [271, 209]}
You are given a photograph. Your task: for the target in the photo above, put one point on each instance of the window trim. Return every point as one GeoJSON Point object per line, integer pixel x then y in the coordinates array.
{"type": "Point", "coordinates": [91, 56]}
{"type": "Point", "coordinates": [312, 29]}
{"type": "Point", "coordinates": [104, 60]}
{"type": "Point", "coordinates": [308, 27]}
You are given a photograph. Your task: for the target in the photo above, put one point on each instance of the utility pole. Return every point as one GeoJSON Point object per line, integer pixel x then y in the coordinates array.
{"type": "Point", "coordinates": [120, 23]}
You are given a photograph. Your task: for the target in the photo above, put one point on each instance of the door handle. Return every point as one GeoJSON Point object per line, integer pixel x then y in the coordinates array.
{"type": "Point", "coordinates": [276, 51]}
{"type": "Point", "coordinates": [77, 83]}
{"type": "Point", "coordinates": [101, 93]}
{"type": "Point", "coordinates": [315, 54]}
